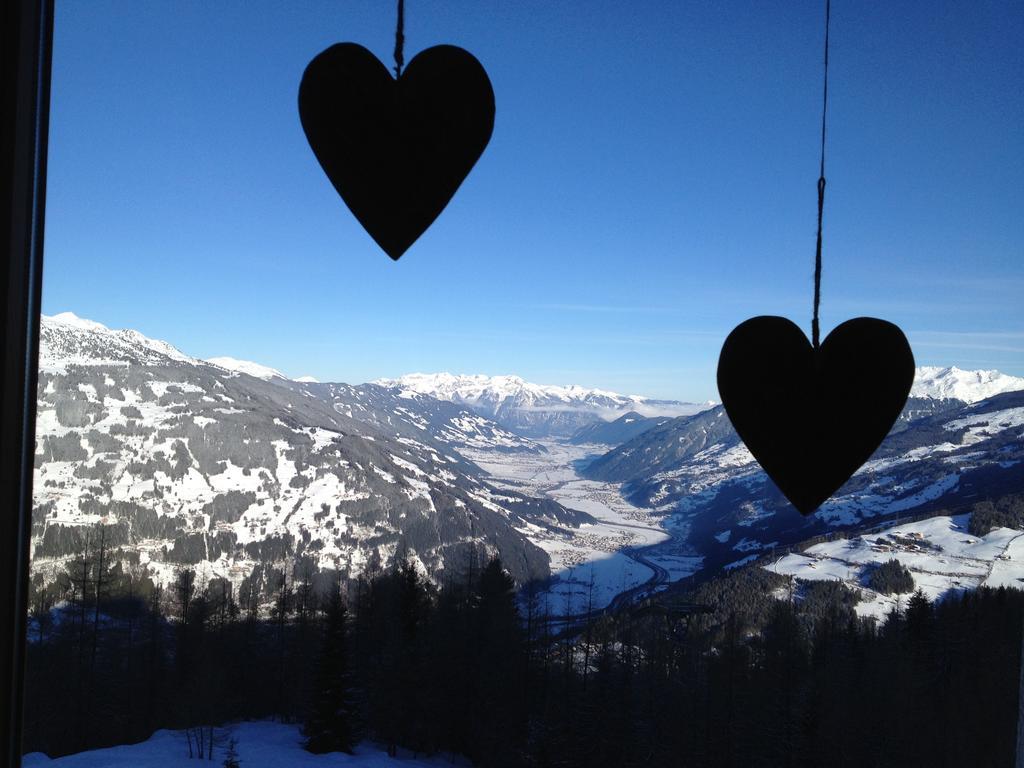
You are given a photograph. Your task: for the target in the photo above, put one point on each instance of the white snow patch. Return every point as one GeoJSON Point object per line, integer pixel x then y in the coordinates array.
{"type": "Point", "coordinates": [259, 745]}
{"type": "Point", "coordinates": [247, 367]}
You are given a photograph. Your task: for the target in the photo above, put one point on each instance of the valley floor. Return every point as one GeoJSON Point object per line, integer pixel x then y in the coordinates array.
{"type": "Point", "coordinates": [631, 551]}
{"type": "Point", "coordinates": [626, 553]}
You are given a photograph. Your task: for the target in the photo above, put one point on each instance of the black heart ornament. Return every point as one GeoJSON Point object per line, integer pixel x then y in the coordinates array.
{"type": "Point", "coordinates": [396, 150]}
{"type": "Point", "coordinates": [812, 417]}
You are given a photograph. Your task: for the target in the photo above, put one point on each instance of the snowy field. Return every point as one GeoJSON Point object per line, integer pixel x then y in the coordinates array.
{"type": "Point", "coordinates": [260, 745]}
{"type": "Point", "coordinates": [596, 562]}
{"type": "Point", "coordinates": [939, 553]}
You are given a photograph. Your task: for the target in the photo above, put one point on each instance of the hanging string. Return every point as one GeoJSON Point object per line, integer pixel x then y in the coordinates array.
{"type": "Point", "coordinates": [400, 39]}
{"type": "Point", "coordinates": [821, 189]}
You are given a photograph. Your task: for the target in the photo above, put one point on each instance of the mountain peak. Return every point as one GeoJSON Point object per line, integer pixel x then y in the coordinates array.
{"type": "Point", "coordinates": [247, 367]}
{"type": "Point", "coordinates": [970, 386]}
{"type": "Point", "coordinates": [74, 321]}
{"type": "Point", "coordinates": [67, 339]}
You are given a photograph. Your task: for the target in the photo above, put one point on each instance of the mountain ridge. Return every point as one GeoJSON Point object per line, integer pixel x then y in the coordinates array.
{"type": "Point", "coordinates": [695, 471]}
{"type": "Point", "coordinates": [953, 383]}
{"type": "Point", "coordinates": [187, 464]}
{"type": "Point", "coordinates": [534, 410]}
{"type": "Point", "coordinates": [625, 428]}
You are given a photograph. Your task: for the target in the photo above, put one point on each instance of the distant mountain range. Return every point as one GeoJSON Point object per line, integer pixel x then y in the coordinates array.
{"type": "Point", "coordinates": [193, 463]}
{"type": "Point", "coordinates": [534, 410]}
{"type": "Point", "coordinates": [934, 390]}
{"type": "Point", "coordinates": [957, 384]}
{"type": "Point", "coordinates": [598, 416]}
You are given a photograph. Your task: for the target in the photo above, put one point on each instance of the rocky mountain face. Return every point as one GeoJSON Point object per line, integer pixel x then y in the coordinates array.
{"type": "Point", "coordinates": [533, 410]}
{"type": "Point", "coordinates": [187, 463]}
{"type": "Point", "coordinates": [942, 455]}
{"type": "Point", "coordinates": [664, 447]}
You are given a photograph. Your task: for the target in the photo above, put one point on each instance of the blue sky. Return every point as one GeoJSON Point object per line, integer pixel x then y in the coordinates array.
{"type": "Point", "coordinates": [650, 184]}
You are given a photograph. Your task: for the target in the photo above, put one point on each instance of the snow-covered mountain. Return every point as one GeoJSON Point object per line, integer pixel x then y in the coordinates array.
{"type": "Point", "coordinates": [246, 366]}
{"type": "Point", "coordinates": [957, 384]}
{"type": "Point", "coordinates": [535, 410]}
{"type": "Point", "coordinates": [233, 468]}
{"type": "Point", "coordinates": [67, 339]}
{"type": "Point", "coordinates": [616, 432]}
{"type": "Point", "coordinates": [942, 455]}
{"type": "Point", "coordinates": [188, 463]}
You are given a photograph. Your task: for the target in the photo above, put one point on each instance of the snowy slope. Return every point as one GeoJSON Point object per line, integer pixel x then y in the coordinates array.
{"type": "Point", "coordinates": [414, 415]}
{"type": "Point", "coordinates": [70, 339]}
{"type": "Point", "coordinates": [939, 552]}
{"type": "Point", "coordinates": [698, 474]}
{"type": "Point", "coordinates": [261, 744]}
{"type": "Point", "coordinates": [67, 339]}
{"type": "Point", "coordinates": [189, 464]}
{"type": "Point", "coordinates": [246, 366]}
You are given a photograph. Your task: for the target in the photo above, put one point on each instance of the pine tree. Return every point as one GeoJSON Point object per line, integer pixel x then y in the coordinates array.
{"type": "Point", "coordinates": [331, 723]}
{"type": "Point", "coordinates": [184, 591]}
{"type": "Point", "coordinates": [497, 649]}
{"type": "Point", "coordinates": [100, 580]}
{"type": "Point", "coordinates": [231, 758]}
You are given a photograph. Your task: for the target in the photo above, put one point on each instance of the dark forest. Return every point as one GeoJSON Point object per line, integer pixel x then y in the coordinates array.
{"type": "Point", "coordinates": [471, 669]}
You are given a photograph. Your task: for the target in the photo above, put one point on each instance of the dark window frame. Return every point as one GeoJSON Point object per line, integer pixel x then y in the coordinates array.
{"type": "Point", "coordinates": [26, 35]}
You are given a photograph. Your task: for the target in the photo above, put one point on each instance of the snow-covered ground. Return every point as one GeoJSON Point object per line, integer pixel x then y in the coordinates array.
{"type": "Point", "coordinates": [259, 745]}
{"type": "Point", "coordinates": [939, 553]}
{"type": "Point", "coordinates": [598, 561]}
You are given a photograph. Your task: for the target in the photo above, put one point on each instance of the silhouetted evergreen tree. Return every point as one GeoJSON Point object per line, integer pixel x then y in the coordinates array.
{"type": "Point", "coordinates": [231, 756]}
{"type": "Point", "coordinates": [497, 650]}
{"type": "Point", "coordinates": [331, 725]}
{"type": "Point", "coordinates": [802, 681]}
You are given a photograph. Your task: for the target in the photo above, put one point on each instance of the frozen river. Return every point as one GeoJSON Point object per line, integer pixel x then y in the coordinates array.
{"type": "Point", "coordinates": [597, 562]}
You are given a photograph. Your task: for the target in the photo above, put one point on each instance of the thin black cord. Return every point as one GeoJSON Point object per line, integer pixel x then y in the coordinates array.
{"type": "Point", "coordinates": [400, 39]}
{"type": "Point", "coordinates": [821, 189]}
